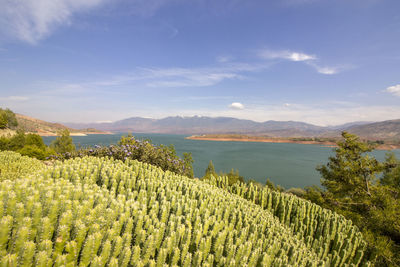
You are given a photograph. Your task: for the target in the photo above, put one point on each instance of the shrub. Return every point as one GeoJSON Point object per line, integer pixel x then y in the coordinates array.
{"type": "Point", "coordinates": [13, 165]}
{"type": "Point", "coordinates": [63, 143]}
{"type": "Point", "coordinates": [142, 150]}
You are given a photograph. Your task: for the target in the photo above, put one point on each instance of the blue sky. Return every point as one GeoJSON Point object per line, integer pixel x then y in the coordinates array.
{"type": "Point", "coordinates": [319, 61]}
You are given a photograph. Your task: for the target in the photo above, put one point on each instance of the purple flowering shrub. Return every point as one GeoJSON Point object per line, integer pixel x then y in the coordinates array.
{"type": "Point", "coordinates": [142, 150]}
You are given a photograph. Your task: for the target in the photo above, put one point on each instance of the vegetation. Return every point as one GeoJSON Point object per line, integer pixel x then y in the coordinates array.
{"type": "Point", "coordinates": [7, 119]}
{"type": "Point", "coordinates": [63, 143]}
{"type": "Point", "coordinates": [352, 188]}
{"type": "Point", "coordinates": [142, 150]}
{"type": "Point", "coordinates": [233, 176]}
{"type": "Point", "coordinates": [14, 166]}
{"type": "Point", "coordinates": [31, 145]}
{"type": "Point", "coordinates": [99, 211]}
{"type": "Point", "coordinates": [327, 233]}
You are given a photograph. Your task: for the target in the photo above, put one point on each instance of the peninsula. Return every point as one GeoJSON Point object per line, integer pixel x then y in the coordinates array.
{"type": "Point", "coordinates": [328, 142]}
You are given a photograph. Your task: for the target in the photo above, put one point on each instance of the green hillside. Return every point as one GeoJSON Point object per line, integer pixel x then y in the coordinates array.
{"type": "Point", "coordinates": [99, 211]}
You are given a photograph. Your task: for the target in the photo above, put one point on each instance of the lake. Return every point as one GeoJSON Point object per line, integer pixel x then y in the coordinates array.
{"type": "Point", "coordinates": [289, 165]}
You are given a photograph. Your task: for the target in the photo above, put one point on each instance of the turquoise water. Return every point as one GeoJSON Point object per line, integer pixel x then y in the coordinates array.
{"type": "Point", "coordinates": [289, 165]}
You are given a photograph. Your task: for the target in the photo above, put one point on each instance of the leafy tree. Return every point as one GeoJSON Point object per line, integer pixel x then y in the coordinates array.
{"type": "Point", "coordinates": [350, 173]}
{"type": "Point", "coordinates": [352, 189]}
{"type": "Point", "coordinates": [391, 174]}
{"type": "Point", "coordinates": [272, 186]}
{"type": "Point", "coordinates": [7, 119]}
{"type": "Point", "coordinates": [63, 143]}
{"type": "Point", "coordinates": [35, 140]}
{"type": "Point", "coordinates": [17, 141]}
{"type": "Point", "coordinates": [234, 177]}
{"type": "Point", "coordinates": [3, 121]}
{"type": "Point", "coordinates": [188, 163]}
{"type": "Point", "coordinates": [210, 169]}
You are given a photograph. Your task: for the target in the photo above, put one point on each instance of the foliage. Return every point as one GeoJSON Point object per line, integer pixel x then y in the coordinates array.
{"type": "Point", "coordinates": [31, 145]}
{"type": "Point", "coordinates": [352, 189]}
{"type": "Point", "coordinates": [233, 176]}
{"type": "Point", "coordinates": [299, 192]}
{"type": "Point", "coordinates": [273, 187]}
{"type": "Point", "coordinates": [7, 119]}
{"type": "Point", "coordinates": [13, 166]}
{"type": "Point", "coordinates": [63, 143]}
{"type": "Point", "coordinates": [98, 212]}
{"type": "Point", "coordinates": [129, 148]}
{"type": "Point", "coordinates": [325, 232]}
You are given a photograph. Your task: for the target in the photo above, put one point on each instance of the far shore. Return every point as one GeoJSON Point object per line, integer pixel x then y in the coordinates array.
{"type": "Point", "coordinates": [72, 134]}
{"type": "Point", "coordinates": [277, 140]}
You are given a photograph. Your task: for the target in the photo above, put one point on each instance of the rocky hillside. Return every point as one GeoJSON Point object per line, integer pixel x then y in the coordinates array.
{"type": "Point", "coordinates": [45, 128]}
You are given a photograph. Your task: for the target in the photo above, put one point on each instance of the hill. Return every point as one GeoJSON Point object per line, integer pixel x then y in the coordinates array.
{"type": "Point", "coordinates": [199, 125]}
{"type": "Point", "coordinates": [206, 125]}
{"type": "Point", "coordinates": [45, 128]}
{"type": "Point", "coordinates": [99, 211]}
{"type": "Point", "coordinates": [385, 130]}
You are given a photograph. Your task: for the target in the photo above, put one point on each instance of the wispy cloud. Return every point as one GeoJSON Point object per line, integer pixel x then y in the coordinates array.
{"type": "Point", "coordinates": [328, 70]}
{"type": "Point", "coordinates": [224, 59]}
{"type": "Point", "coordinates": [161, 78]}
{"type": "Point", "coordinates": [33, 20]}
{"type": "Point", "coordinates": [395, 90]}
{"type": "Point", "coordinates": [14, 98]}
{"type": "Point", "coordinates": [308, 59]}
{"type": "Point", "coordinates": [286, 54]}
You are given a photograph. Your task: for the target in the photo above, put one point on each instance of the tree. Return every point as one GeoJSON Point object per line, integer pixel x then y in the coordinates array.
{"type": "Point", "coordinates": [351, 172]}
{"type": "Point", "coordinates": [7, 119]}
{"type": "Point", "coordinates": [63, 143]}
{"type": "Point", "coordinates": [35, 140]}
{"type": "Point", "coordinates": [353, 190]}
{"type": "Point", "coordinates": [210, 168]}
{"type": "Point", "coordinates": [3, 121]}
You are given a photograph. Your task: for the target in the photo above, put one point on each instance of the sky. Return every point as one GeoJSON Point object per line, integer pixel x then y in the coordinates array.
{"type": "Point", "coordinates": [318, 61]}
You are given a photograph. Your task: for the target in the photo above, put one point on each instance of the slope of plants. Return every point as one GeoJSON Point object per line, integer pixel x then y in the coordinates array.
{"type": "Point", "coordinates": [14, 166]}
{"type": "Point", "coordinates": [323, 231]}
{"type": "Point", "coordinates": [100, 211]}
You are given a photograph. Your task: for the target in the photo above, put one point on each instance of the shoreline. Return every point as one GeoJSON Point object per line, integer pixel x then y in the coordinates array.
{"type": "Point", "coordinates": [279, 140]}
{"type": "Point", "coordinates": [75, 134]}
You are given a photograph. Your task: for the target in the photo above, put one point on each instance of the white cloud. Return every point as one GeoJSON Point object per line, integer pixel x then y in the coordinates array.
{"type": "Point", "coordinates": [286, 54]}
{"type": "Point", "coordinates": [14, 98]}
{"type": "Point", "coordinates": [287, 105]}
{"type": "Point", "coordinates": [395, 90]}
{"type": "Point", "coordinates": [308, 59]}
{"type": "Point", "coordinates": [237, 106]}
{"type": "Point", "coordinates": [162, 78]}
{"type": "Point", "coordinates": [33, 20]}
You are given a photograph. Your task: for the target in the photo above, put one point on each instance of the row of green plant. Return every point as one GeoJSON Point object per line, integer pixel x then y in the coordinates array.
{"type": "Point", "coordinates": [104, 212]}
{"type": "Point", "coordinates": [323, 231]}
{"type": "Point", "coordinates": [14, 166]}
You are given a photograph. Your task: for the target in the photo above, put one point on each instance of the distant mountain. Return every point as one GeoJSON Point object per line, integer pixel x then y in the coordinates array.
{"type": "Point", "coordinates": [349, 124]}
{"type": "Point", "coordinates": [207, 125]}
{"type": "Point", "coordinates": [44, 128]}
{"type": "Point", "coordinates": [386, 130]}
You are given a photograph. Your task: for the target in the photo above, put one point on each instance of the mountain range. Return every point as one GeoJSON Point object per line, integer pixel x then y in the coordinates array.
{"type": "Point", "coordinates": [226, 125]}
